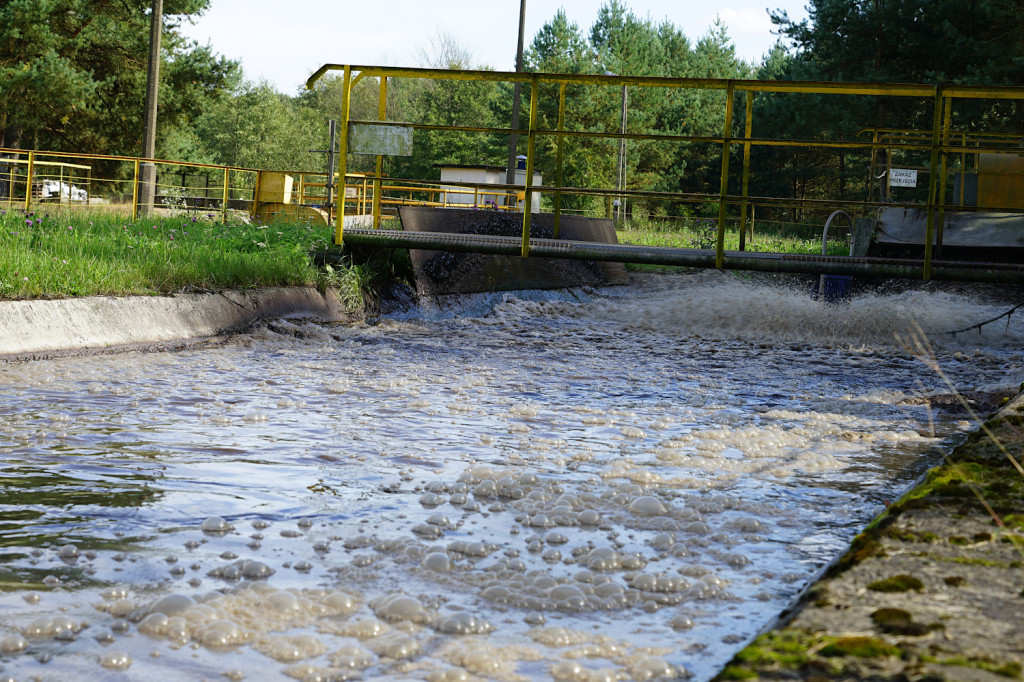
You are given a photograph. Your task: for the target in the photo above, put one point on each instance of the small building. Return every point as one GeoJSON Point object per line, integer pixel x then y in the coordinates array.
{"type": "Point", "coordinates": [485, 175]}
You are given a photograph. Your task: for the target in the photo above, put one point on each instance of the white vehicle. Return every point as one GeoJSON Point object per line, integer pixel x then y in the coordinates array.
{"type": "Point", "coordinates": [53, 189]}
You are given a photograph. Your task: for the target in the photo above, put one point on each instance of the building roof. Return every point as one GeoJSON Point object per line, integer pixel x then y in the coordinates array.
{"type": "Point", "coordinates": [470, 166]}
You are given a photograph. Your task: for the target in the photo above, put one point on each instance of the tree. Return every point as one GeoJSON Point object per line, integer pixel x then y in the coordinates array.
{"type": "Point", "coordinates": [447, 103]}
{"type": "Point", "coordinates": [966, 42]}
{"type": "Point", "coordinates": [72, 73]}
{"type": "Point", "coordinates": [259, 128]}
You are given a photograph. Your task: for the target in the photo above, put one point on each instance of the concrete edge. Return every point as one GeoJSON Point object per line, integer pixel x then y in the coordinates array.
{"type": "Point", "coordinates": [48, 328]}
{"type": "Point", "coordinates": [833, 570]}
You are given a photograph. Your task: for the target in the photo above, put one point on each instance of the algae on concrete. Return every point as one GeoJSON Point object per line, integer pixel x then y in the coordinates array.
{"type": "Point", "coordinates": [932, 590]}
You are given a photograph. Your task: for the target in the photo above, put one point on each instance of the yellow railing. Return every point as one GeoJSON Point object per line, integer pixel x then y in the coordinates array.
{"type": "Point", "coordinates": [112, 183]}
{"type": "Point", "coordinates": [937, 145]}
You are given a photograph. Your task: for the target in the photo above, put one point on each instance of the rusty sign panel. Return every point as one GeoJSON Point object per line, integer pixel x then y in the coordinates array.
{"type": "Point", "coordinates": [384, 140]}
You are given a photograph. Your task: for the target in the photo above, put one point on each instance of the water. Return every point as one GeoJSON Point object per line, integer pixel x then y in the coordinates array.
{"type": "Point", "coordinates": [629, 483]}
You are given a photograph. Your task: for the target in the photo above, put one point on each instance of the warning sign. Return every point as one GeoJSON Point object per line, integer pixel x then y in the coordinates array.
{"type": "Point", "coordinates": [902, 177]}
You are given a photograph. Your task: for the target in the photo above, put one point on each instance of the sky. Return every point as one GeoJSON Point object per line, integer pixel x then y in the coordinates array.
{"type": "Point", "coordinates": [284, 43]}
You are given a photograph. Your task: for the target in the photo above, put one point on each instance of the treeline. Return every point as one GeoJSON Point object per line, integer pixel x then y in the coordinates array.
{"type": "Point", "coordinates": [72, 77]}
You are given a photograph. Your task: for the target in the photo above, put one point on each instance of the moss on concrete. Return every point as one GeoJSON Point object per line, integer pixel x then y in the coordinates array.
{"type": "Point", "coordinates": [929, 622]}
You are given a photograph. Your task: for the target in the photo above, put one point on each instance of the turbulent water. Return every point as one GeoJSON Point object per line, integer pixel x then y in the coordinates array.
{"type": "Point", "coordinates": [622, 484]}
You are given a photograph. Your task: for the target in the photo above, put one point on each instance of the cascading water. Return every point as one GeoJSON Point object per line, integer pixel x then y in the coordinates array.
{"type": "Point", "coordinates": [628, 483]}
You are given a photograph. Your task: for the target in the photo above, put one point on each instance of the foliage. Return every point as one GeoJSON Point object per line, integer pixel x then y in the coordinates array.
{"type": "Point", "coordinates": [884, 41]}
{"type": "Point", "coordinates": [257, 129]}
{"type": "Point", "coordinates": [447, 103]}
{"type": "Point", "coordinates": [621, 43]}
{"type": "Point", "coordinates": [73, 74]}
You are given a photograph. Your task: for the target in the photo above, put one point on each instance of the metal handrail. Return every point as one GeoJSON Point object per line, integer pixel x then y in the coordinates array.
{"type": "Point", "coordinates": [937, 145]}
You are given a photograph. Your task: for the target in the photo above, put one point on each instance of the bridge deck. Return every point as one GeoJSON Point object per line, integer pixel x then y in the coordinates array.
{"type": "Point", "coordinates": [888, 268]}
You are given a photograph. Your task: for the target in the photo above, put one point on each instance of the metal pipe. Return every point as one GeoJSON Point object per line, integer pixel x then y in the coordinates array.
{"type": "Point", "coordinates": [933, 181]}
{"type": "Point", "coordinates": [28, 180]}
{"type": "Point", "coordinates": [620, 180]}
{"type": "Point", "coordinates": [947, 123]}
{"type": "Point", "coordinates": [225, 195]}
{"type": "Point", "coordinates": [824, 242]}
{"type": "Point", "coordinates": [382, 112]}
{"type": "Point", "coordinates": [747, 131]}
{"type": "Point", "coordinates": [332, 140]}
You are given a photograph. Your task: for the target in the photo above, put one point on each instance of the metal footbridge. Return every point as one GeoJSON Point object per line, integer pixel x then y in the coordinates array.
{"type": "Point", "coordinates": [963, 271]}
{"type": "Point", "coordinates": [930, 171]}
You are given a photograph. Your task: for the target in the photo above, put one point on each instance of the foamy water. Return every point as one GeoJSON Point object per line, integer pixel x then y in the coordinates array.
{"type": "Point", "coordinates": [624, 484]}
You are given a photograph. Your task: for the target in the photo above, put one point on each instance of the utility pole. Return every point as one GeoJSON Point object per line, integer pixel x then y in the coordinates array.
{"type": "Point", "coordinates": [510, 175]}
{"type": "Point", "coordinates": [147, 170]}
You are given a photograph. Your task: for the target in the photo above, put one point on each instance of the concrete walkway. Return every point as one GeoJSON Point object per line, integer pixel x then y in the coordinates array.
{"type": "Point", "coordinates": [47, 328]}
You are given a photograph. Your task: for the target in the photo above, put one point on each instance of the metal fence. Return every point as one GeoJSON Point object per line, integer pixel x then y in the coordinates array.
{"type": "Point", "coordinates": [40, 180]}
{"type": "Point", "coordinates": [931, 152]}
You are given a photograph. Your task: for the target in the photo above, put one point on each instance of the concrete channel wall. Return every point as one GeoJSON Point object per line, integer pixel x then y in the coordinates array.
{"type": "Point", "coordinates": [45, 328]}
{"type": "Point", "coordinates": [932, 590]}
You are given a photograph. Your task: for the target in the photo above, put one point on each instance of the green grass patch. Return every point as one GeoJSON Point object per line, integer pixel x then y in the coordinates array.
{"type": "Point", "coordinates": [859, 647]}
{"type": "Point", "coordinates": [1011, 669]}
{"type": "Point", "coordinates": [898, 622]}
{"type": "Point", "coordinates": [786, 648]}
{"type": "Point", "coordinates": [696, 233]}
{"type": "Point", "coordinates": [57, 255]}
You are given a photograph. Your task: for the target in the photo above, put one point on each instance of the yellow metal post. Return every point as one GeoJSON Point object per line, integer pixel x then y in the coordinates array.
{"type": "Point", "coordinates": [339, 222]}
{"type": "Point", "coordinates": [558, 156]}
{"type": "Point", "coordinates": [747, 129]}
{"type": "Point", "coordinates": [225, 195]}
{"type": "Point", "coordinates": [726, 134]}
{"type": "Point", "coordinates": [382, 110]}
{"type": "Point", "coordinates": [531, 142]}
{"type": "Point", "coordinates": [888, 169]}
{"type": "Point", "coordinates": [933, 181]}
{"type": "Point", "coordinates": [256, 192]}
{"type": "Point", "coordinates": [135, 190]}
{"type": "Point", "coordinates": [874, 161]}
{"type": "Point", "coordinates": [28, 180]}
{"type": "Point", "coordinates": [963, 169]}
{"type": "Point", "coordinates": [947, 121]}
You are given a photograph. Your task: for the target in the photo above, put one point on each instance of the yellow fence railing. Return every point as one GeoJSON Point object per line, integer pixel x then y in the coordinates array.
{"type": "Point", "coordinates": [936, 148]}
{"type": "Point", "coordinates": [32, 179]}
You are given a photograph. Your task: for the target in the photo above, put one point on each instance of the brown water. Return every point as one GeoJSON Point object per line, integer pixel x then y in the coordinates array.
{"type": "Point", "coordinates": [625, 484]}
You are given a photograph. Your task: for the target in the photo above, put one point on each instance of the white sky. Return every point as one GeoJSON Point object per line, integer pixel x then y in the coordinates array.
{"type": "Point", "coordinates": [286, 42]}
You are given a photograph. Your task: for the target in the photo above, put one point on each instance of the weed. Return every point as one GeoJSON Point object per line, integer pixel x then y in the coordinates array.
{"type": "Point", "coordinates": [859, 647]}
{"type": "Point", "coordinates": [897, 583]}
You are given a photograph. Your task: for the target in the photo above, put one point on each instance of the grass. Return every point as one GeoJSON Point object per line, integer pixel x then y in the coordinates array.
{"type": "Point", "coordinates": [700, 233]}
{"type": "Point", "coordinates": [56, 255]}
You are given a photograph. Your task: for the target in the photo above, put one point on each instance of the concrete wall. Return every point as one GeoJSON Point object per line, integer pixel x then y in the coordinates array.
{"type": "Point", "coordinates": [43, 328]}
{"type": "Point", "coordinates": [441, 272]}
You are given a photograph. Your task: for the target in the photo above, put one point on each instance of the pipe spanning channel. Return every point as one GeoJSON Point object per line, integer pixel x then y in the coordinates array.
{"type": "Point", "coordinates": [888, 268]}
